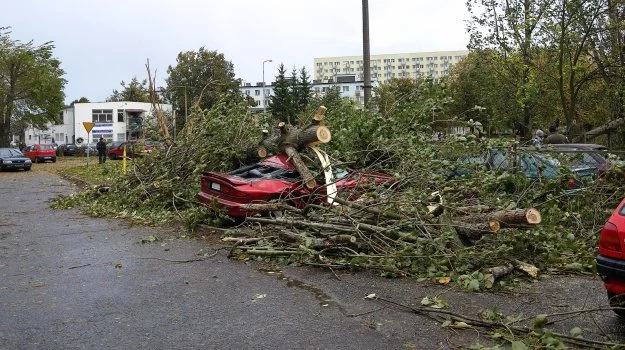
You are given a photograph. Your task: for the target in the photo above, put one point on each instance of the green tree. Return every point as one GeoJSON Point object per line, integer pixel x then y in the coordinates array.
{"type": "Point", "coordinates": [482, 92]}
{"type": "Point", "coordinates": [280, 102]}
{"type": "Point", "coordinates": [134, 91]}
{"type": "Point", "coordinates": [31, 85]}
{"type": "Point", "coordinates": [290, 95]}
{"type": "Point", "coordinates": [201, 77]}
{"type": "Point", "coordinates": [608, 52]}
{"type": "Point", "coordinates": [510, 28]}
{"type": "Point", "coordinates": [80, 100]}
{"type": "Point", "coordinates": [304, 90]}
{"type": "Point", "coordinates": [408, 101]}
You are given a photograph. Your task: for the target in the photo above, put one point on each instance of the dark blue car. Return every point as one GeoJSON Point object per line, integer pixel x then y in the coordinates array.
{"type": "Point", "coordinates": [13, 159]}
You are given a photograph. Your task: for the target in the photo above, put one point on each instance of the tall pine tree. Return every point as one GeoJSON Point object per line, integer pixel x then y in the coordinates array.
{"type": "Point", "coordinates": [280, 101]}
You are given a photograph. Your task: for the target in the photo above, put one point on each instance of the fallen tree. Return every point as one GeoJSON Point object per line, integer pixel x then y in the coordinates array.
{"type": "Point", "coordinates": [598, 131]}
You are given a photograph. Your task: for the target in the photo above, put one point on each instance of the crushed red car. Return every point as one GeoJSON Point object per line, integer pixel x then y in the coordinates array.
{"type": "Point", "coordinates": [611, 258]}
{"type": "Point", "coordinates": [275, 178]}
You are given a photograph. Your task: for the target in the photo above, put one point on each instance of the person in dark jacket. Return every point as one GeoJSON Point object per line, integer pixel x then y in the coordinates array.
{"type": "Point", "coordinates": [101, 147]}
{"type": "Point", "coordinates": [555, 137]}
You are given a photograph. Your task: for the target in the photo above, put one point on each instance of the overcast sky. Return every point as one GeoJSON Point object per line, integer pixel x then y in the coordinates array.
{"type": "Point", "coordinates": [102, 42]}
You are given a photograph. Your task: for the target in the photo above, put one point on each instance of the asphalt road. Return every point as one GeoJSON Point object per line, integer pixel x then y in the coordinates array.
{"type": "Point", "coordinates": [68, 281]}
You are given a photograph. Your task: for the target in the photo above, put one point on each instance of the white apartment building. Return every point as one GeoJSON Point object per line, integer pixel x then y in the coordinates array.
{"type": "Point", "coordinates": [348, 86]}
{"type": "Point", "coordinates": [386, 66]}
{"type": "Point", "coordinates": [346, 73]}
{"type": "Point", "coordinates": [261, 93]}
{"type": "Point", "coordinates": [114, 121]}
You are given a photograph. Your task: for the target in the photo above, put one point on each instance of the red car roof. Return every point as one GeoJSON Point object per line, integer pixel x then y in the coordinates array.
{"type": "Point", "coordinates": [279, 161]}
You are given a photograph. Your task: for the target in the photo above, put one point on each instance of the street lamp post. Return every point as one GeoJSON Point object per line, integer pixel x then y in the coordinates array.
{"type": "Point", "coordinates": [263, 95]}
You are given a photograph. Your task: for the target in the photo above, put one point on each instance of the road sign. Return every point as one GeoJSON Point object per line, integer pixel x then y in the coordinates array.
{"type": "Point", "coordinates": [88, 126]}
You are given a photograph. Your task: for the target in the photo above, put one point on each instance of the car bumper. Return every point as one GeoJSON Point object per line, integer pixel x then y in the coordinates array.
{"type": "Point", "coordinates": [612, 272]}
{"type": "Point", "coordinates": [231, 208]}
{"type": "Point", "coordinates": [610, 267]}
{"type": "Point", "coordinates": [15, 166]}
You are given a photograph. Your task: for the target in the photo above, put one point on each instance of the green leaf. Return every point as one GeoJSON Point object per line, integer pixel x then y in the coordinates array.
{"type": "Point", "coordinates": [518, 345]}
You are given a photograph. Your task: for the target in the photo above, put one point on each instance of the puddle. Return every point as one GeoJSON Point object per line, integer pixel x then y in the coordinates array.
{"type": "Point", "coordinates": [324, 299]}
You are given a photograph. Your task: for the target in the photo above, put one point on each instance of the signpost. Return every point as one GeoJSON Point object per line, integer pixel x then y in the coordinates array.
{"type": "Point", "coordinates": [88, 126]}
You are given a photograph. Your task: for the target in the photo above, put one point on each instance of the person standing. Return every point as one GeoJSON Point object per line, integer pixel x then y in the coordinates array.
{"type": "Point", "coordinates": [101, 147]}
{"type": "Point", "coordinates": [555, 137]}
{"type": "Point", "coordinates": [538, 139]}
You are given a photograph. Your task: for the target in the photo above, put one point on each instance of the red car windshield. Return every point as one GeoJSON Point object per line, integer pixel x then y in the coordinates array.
{"type": "Point", "coordinates": [46, 147]}
{"type": "Point", "coordinates": [262, 171]}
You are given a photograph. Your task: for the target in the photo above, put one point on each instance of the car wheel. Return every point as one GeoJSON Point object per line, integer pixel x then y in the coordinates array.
{"type": "Point", "coordinates": [27, 169]}
{"type": "Point", "coordinates": [37, 160]}
{"type": "Point", "coordinates": [54, 160]}
{"type": "Point", "coordinates": [113, 156]}
{"type": "Point", "coordinates": [617, 301]}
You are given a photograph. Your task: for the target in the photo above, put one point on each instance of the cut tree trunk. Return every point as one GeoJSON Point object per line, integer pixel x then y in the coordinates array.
{"type": "Point", "coordinates": [509, 218]}
{"type": "Point", "coordinates": [475, 231]}
{"type": "Point", "coordinates": [497, 272]}
{"type": "Point", "coordinates": [267, 207]}
{"type": "Point", "coordinates": [296, 160]}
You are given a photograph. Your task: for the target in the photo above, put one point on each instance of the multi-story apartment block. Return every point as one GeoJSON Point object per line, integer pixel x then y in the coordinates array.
{"type": "Point", "coordinates": [346, 73]}
{"type": "Point", "coordinates": [384, 67]}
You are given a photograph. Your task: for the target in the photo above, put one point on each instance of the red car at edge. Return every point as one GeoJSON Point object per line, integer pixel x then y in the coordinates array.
{"type": "Point", "coordinates": [275, 178]}
{"type": "Point", "coordinates": [611, 258]}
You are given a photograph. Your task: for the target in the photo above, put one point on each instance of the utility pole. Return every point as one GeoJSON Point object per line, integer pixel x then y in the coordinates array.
{"type": "Point", "coordinates": [366, 51]}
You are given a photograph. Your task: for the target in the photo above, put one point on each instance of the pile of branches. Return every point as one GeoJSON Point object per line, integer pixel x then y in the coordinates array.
{"type": "Point", "coordinates": [457, 233]}
{"type": "Point", "coordinates": [377, 231]}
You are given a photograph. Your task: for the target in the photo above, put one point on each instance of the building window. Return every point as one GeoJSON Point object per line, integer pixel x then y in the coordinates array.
{"type": "Point", "coordinates": [102, 115]}
{"type": "Point", "coordinates": [120, 115]}
{"type": "Point", "coordinates": [257, 92]}
{"type": "Point", "coordinates": [247, 92]}
{"type": "Point", "coordinates": [345, 88]}
{"type": "Point", "coordinates": [267, 92]}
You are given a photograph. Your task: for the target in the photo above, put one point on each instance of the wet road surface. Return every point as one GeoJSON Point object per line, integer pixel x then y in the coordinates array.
{"type": "Point", "coordinates": [68, 281]}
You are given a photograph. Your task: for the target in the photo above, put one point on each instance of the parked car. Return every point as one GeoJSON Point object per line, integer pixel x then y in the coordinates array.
{"type": "Point", "coordinates": [66, 150]}
{"type": "Point", "coordinates": [116, 149]}
{"type": "Point", "coordinates": [13, 159]}
{"type": "Point", "coordinates": [611, 258]}
{"type": "Point", "coordinates": [276, 178]}
{"type": "Point", "coordinates": [533, 164]}
{"type": "Point", "coordinates": [40, 153]}
{"type": "Point", "coordinates": [149, 145]}
{"type": "Point", "coordinates": [580, 154]}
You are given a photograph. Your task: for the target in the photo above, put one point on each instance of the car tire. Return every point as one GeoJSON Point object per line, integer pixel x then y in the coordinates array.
{"type": "Point", "coordinates": [27, 169]}
{"type": "Point", "coordinates": [54, 160]}
{"type": "Point", "coordinates": [617, 301]}
{"type": "Point", "coordinates": [113, 156]}
{"type": "Point", "coordinates": [37, 160]}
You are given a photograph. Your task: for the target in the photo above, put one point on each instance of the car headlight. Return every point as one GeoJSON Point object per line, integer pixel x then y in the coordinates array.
{"type": "Point", "coordinates": [28, 161]}
{"type": "Point", "coordinates": [7, 162]}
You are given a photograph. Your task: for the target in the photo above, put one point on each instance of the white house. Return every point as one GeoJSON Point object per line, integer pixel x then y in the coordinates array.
{"type": "Point", "coordinates": [114, 121]}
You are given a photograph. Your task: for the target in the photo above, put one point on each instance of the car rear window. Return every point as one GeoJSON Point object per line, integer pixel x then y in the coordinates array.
{"type": "Point", "coordinates": [622, 210]}
{"type": "Point", "coordinates": [46, 147]}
